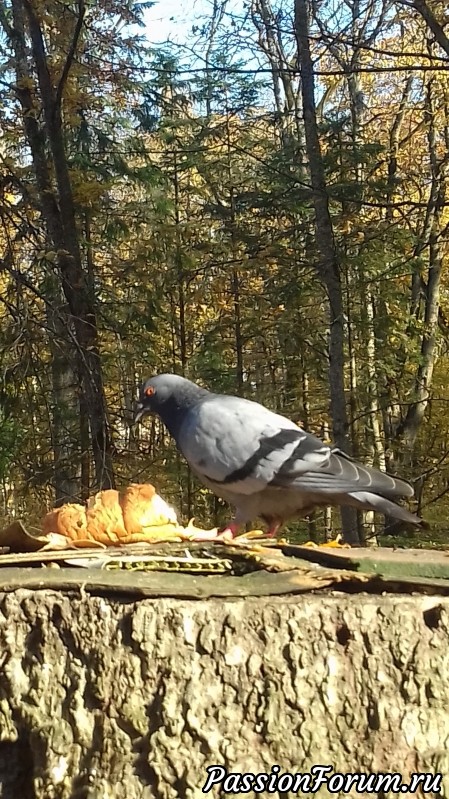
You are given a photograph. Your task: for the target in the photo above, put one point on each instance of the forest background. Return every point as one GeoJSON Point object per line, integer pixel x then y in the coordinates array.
{"type": "Point", "coordinates": [262, 208]}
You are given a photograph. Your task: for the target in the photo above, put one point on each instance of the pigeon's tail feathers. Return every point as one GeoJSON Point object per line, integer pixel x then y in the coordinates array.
{"type": "Point", "coordinates": [348, 477]}
{"type": "Point", "coordinates": [369, 477]}
{"type": "Point", "coordinates": [334, 472]}
{"type": "Point", "coordinates": [367, 501]}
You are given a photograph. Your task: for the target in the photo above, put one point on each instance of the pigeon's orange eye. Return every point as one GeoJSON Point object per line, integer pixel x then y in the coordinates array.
{"type": "Point", "coordinates": [149, 391]}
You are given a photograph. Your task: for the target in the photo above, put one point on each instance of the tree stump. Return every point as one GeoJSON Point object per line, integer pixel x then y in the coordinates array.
{"type": "Point", "coordinates": [106, 697]}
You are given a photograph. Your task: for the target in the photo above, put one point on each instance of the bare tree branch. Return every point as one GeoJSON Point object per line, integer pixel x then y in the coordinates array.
{"type": "Point", "coordinates": [70, 54]}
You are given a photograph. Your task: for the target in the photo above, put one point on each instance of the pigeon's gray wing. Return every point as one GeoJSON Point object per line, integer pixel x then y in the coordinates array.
{"type": "Point", "coordinates": [338, 473]}
{"type": "Point", "coordinates": [241, 444]}
{"type": "Point", "coordinates": [244, 447]}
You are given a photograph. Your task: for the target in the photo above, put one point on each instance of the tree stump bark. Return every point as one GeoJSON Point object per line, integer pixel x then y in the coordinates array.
{"type": "Point", "coordinates": [106, 698]}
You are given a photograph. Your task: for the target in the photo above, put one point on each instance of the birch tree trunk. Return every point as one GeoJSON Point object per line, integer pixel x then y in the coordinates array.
{"type": "Point", "coordinates": [66, 417]}
{"type": "Point", "coordinates": [433, 238]}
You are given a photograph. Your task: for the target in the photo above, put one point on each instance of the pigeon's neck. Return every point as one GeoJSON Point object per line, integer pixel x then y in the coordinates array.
{"type": "Point", "coordinates": [173, 411]}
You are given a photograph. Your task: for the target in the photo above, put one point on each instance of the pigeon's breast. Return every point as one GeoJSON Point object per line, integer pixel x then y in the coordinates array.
{"type": "Point", "coordinates": [282, 503]}
{"type": "Point", "coordinates": [270, 503]}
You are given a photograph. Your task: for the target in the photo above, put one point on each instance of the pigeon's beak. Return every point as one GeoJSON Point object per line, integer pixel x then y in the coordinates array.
{"type": "Point", "coordinates": [139, 412]}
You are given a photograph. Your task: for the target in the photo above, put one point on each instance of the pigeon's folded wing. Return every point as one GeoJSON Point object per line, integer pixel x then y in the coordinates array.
{"type": "Point", "coordinates": [340, 474]}
{"type": "Point", "coordinates": [242, 445]}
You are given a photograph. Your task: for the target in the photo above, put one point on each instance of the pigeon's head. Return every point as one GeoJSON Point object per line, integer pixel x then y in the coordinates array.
{"type": "Point", "coordinates": [166, 395]}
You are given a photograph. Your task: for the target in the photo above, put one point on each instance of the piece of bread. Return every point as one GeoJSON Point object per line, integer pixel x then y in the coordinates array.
{"type": "Point", "coordinates": [105, 518]}
{"type": "Point", "coordinates": [68, 520]}
{"type": "Point", "coordinates": [137, 513]}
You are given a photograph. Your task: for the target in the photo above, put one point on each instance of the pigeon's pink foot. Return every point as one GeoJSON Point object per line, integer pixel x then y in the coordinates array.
{"type": "Point", "coordinates": [273, 529]}
{"type": "Point", "coordinates": [229, 532]}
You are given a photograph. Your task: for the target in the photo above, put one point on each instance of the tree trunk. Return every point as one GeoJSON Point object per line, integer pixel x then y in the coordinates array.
{"type": "Point", "coordinates": [136, 699]}
{"type": "Point", "coordinates": [328, 266]}
{"type": "Point", "coordinates": [284, 81]}
{"type": "Point", "coordinates": [433, 237]}
{"type": "Point", "coordinates": [48, 154]}
{"type": "Point", "coordinates": [66, 418]}
{"type": "Point", "coordinates": [235, 292]}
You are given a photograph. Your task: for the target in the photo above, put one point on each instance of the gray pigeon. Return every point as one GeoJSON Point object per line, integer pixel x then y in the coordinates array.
{"type": "Point", "coordinates": [261, 462]}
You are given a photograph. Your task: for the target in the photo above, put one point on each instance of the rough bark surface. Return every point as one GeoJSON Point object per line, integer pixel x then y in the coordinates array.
{"type": "Point", "coordinates": [101, 698]}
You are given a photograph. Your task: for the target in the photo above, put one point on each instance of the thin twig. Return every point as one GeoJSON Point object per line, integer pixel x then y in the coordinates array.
{"type": "Point", "coordinates": [70, 55]}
